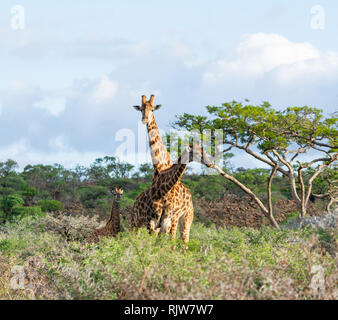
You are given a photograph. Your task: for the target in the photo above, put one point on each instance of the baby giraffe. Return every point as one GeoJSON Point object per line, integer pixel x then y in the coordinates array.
{"type": "Point", "coordinates": [112, 227]}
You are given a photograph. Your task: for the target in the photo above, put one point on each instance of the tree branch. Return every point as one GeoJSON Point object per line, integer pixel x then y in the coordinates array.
{"type": "Point", "coordinates": [270, 208]}
{"type": "Point", "coordinates": [302, 190]}
{"type": "Point", "coordinates": [290, 175]}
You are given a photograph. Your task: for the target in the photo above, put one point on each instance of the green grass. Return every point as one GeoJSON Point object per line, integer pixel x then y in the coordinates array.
{"type": "Point", "coordinates": [236, 263]}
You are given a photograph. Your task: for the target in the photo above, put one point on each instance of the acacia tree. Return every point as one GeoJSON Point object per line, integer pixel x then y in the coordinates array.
{"type": "Point", "coordinates": [285, 140]}
{"type": "Point", "coordinates": [302, 139]}
{"type": "Point", "coordinates": [54, 180]}
{"type": "Point", "coordinates": [107, 168]}
{"type": "Point", "coordinates": [146, 170]}
{"type": "Point", "coordinates": [326, 186]}
{"type": "Point", "coordinates": [6, 169]}
{"type": "Point", "coordinates": [206, 131]}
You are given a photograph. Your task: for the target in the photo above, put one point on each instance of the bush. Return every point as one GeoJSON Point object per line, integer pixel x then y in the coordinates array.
{"type": "Point", "coordinates": [29, 194]}
{"type": "Point", "coordinates": [70, 228]}
{"type": "Point", "coordinates": [11, 201]}
{"type": "Point", "coordinates": [90, 195]}
{"type": "Point", "coordinates": [8, 203]}
{"type": "Point", "coordinates": [50, 205]}
{"type": "Point", "coordinates": [27, 211]}
{"type": "Point", "coordinates": [234, 263]}
{"type": "Point", "coordinates": [290, 218]}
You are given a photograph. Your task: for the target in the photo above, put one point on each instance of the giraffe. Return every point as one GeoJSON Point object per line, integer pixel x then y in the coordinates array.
{"type": "Point", "coordinates": [159, 154]}
{"type": "Point", "coordinates": [144, 212]}
{"type": "Point", "coordinates": [179, 193]}
{"type": "Point", "coordinates": [112, 227]}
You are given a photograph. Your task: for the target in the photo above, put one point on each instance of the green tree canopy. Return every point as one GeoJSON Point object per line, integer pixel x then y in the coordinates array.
{"type": "Point", "coordinates": [284, 139]}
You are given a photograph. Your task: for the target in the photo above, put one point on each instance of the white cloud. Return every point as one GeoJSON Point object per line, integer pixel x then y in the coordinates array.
{"type": "Point", "coordinates": [13, 150]}
{"type": "Point", "coordinates": [105, 90]}
{"type": "Point", "coordinates": [322, 69]}
{"type": "Point", "coordinates": [19, 87]}
{"type": "Point", "coordinates": [23, 152]}
{"type": "Point", "coordinates": [180, 50]}
{"type": "Point", "coordinates": [258, 54]}
{"type": "Point", "coordinates": [28, 44]}
{"type": "Point", "coordinates": [184, 52]}
{"type": "Point", "coordinates": [54, 105]}
{"type": "Point", "coordinates": [270, 67]}
{"type": "Point", "coordinates": [57, 143]}
{"type": "Point", "coordinates": [78, 123]}
{"type": "Point", "coordinates": [140, 49]}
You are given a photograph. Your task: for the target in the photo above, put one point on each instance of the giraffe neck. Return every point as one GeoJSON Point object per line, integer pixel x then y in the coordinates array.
{"type": "Point", "coordinates": [114, 219]}
{"type": "Point", "coordinates": [159, 154]}
{"type": "Point", "coordinates": [165, 180]}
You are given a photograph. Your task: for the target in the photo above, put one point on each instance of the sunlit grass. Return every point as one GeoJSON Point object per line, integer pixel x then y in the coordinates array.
{"type": "Point", "coordinates": [236, 263]}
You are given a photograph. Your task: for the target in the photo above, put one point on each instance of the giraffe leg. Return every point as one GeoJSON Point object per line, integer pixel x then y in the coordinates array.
{"type": "Point", "coordinates": [166, 224]}
{"type": "Point", "coordinates": [157, 211]}
{"type": "Point", "coordinates": [185, 225]}
{"type": "Point", "coordinates": [174, 225]}
{"type": "Point", "coordinates": [152, 226]}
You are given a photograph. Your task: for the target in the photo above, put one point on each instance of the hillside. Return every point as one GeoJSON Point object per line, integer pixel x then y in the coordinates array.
{"type": "Point", "coordinates": [47, 211]}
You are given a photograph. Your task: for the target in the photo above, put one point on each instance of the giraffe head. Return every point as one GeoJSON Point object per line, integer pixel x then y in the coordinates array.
{"type": "Point", "coordinates": [117, 192]}
{"type": "Point", "coordinates": [147, 108]}
{"type": "Point", "coordinates": [195, 152]}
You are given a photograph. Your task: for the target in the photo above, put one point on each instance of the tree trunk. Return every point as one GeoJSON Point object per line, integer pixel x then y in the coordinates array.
{"type": "Point", "coordinates": [270, 207]}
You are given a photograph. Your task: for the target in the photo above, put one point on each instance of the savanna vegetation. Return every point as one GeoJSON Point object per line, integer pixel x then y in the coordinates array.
{"type": "Point", "coordinates": [241, 247]}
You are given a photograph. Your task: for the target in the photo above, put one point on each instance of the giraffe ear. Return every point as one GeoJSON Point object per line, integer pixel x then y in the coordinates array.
{"type": "Point", "coordinates": [137, 108]}
{"type": "Point", "coordinates": [158, 107]}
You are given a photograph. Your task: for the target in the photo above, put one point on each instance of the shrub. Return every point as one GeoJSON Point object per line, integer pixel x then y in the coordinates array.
{"type": "Point", "coordinates": [11, 201]}
{"type": "Point", "coordinates": [20, 212]}
{"type": "Point", "coordinates": [29, 194]}
{"type": "Point", "coordinates": [50, 205]}
{"type": "Point", "coordinates": [27, 211]}
{"type": "Point", "coordinates": [233, 263]}
{"type": "Point", "coordinates": [290, 218]}
{"type": "Point", "coordinates": [90, 195]}
{"type": "Point", "coordinates": [8, 203]}
{"type": "Point", "coordinates": [70, 228]}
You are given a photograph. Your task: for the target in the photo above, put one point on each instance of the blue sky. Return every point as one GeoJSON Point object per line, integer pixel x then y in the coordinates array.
{"type": "Point", "coordinates": [69, 78]}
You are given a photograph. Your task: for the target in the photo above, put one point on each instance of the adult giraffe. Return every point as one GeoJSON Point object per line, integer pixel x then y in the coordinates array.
{"type": "Point", "coordinates": [178, 196]}
{"type": "Point", "coordinates": [144, 211]}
